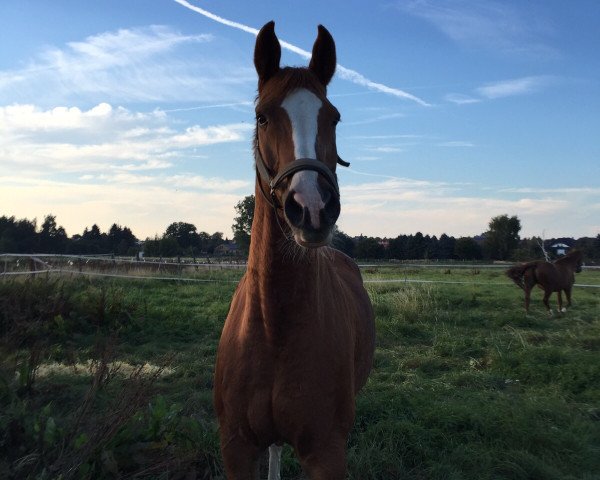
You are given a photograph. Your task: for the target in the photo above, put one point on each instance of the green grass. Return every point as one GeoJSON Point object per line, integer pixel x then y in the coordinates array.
{"type": "Point", "coordinates": [464, 384]}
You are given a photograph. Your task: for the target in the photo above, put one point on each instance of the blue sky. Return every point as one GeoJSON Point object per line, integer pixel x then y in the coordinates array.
{"type": "Point", "coordinates": [453, 111]}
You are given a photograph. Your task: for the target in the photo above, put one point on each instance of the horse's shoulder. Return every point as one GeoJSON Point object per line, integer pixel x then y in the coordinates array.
{"type": "Point", "coordinates": [241, 286]}
{"type": "Point", "coordinates": [343, 262]}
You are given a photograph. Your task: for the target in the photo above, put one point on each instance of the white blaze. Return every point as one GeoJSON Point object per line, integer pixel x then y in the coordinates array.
{"type": "Point", "coordinates": [302, 107]}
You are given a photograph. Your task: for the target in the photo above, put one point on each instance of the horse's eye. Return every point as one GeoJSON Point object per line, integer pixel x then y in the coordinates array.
{"type": "Point", "coordinates": [261, 120]}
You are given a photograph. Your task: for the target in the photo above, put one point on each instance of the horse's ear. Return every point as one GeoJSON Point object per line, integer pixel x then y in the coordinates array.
{"type": "Point", "coordinates": [267, 54]}
{"type": "Point", "coordinates": [323, 59]}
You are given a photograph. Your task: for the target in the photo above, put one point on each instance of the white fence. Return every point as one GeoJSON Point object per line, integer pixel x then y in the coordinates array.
{"type": "Point", "coordinates": [88, 265]}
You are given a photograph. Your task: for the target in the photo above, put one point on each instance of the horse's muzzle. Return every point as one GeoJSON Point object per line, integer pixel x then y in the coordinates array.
{"type": "Point", "coordinates": [312, 221]}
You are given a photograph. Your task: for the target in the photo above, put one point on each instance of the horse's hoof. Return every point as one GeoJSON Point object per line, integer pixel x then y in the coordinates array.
{"type": "Point", "coordinates": [563, 310]}
{"type": "Point", "coordinates": [550, 313]}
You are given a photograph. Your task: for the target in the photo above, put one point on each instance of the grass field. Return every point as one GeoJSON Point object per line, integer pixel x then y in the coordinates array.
{"type": "Point", "coordinates": [112, 378]}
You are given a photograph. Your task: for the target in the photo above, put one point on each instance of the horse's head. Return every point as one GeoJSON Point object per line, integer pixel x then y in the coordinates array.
{"type": "Point", "coordinates": [578, 258]}
{"type": "Point", "coordinates": [574, 259]}
{"type": "Point", "coordinates": [295, 145]}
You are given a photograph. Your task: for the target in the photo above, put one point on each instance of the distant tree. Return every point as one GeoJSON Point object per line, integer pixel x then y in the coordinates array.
{"type": "Point", "coordinates": [343, 242]}
{"type": "Point", "coordinates": [121, 240]}
{"type": "Point", "coordinates": [17, 236]}
{"type": "Point", "coordinates": [242, 223]}
{"type": "Point", "coordinates": [93, 233]}
{"type": "Point", "coordinates": [204, 241]}
{"type": "Point", "coordinates": [185, 234]}
{"type": "Point", "coordinates": [152, 247]}
{"type": "Point", "coordinates": [398, 247]}
{"type": "Point", "coordinates": [416, 246]}
{"type": "Point", "coordinates": [369, 247]}
{"type": "Point", "coordinates": [432, 249]}
{"type": "Point", "coordinates": [502, 237]}
{"type": "Point", "coordinates": [528, 249]}
{"type": "Point", "coordinates": [466, 248]}
{"type": "Point", "coordinates": [168, 247]}
{"type": "Point", "coordinates": [93, 241]}
{"type": "Point", "coordinates": [590, 247]}
{"type": "Point", "coordinates": [445, 247]}
{"type": "Point", "coordinates": [216, 239]}
{"type": "Point", "coordinates": [52, 238]}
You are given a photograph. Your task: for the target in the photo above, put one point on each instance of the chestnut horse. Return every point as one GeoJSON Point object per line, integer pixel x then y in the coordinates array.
{"type": "Point", "coordinates": [298, 342]}
{"type": "Point", "coordinates": [556, 277]}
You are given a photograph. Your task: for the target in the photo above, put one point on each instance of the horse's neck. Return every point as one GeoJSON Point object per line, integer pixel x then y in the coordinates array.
{"type": "Point", "coordinates": [275, 262]}
{"type": "Point", "coordinates": [286, 285]}
{"type": "Point", "coordinates": [565, 263]}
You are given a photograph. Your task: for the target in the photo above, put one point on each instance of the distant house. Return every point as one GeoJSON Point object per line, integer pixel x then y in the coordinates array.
{"type": "Point", "coordinates": [226, 249]}
{"type": "Point", "coordinates": [384, 242]}
{"type": "Point", "coordinates": [559, 249]}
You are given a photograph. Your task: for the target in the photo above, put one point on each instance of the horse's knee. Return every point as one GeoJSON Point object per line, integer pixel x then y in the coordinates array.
{"type": "Point", "coordinates": [326, 463]}
{"type": "Point", "coordinates": [240, 459]}
{"type": "Point", "coordinates": [331, 467]}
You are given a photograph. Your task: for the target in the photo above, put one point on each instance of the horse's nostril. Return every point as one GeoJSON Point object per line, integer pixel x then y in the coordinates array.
{"type": "Point", "coordinates": [332, 209]}
{"type": "Point", "coordinates": [293, 210]}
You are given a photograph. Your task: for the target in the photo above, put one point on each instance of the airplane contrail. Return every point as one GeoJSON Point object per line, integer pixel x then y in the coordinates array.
{"type": "Point", "coordinates": [343, 72]}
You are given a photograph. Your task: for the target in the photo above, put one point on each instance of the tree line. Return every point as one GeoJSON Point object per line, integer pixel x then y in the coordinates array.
{"type": "Point", "coordinates": [501, 241]}
{"type": "Point", "coordinates": [180, 238]}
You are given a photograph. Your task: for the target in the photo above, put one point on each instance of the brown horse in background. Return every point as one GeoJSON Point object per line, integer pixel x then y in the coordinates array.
{"type": "Point", "coordinates": [557, 276]}
{"type": "Point", "coordinates": [298, 342]}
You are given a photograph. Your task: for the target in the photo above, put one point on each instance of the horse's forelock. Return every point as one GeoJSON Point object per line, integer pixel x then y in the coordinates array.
{"type": "Point", "coordinates": [286, 81]}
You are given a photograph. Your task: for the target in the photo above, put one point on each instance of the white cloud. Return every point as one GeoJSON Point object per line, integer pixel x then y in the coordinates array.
{"type": "Point", "coordinates": [142, 204]}
{"type": "Point", "coordinates": [456, 144]}
{"type": "Point", "coordinates": [154, 63]}
{"type": "Point", "coordinates": [492, 25]}
{"type": "Point", "coordinates": [517, 86]}
{"type": "Point", "coordinates": [461, 99]}
{"type": "Point", "coordinates": [204, 183]}
{"type": "Point", "coordinates": [504, 88]}
{"type": "Point", "coordinates": [72, 140]}
{"type": "Point", "coordinates": [115, 164]}
{"type": "Point", "coordinates": [381, 205]}
{"type": "Point", "coordinates": [392, 206]}
{"type": "Point", "coordinates": [385, 149]}
{"type": "Point", "coordinates": [379, 118]}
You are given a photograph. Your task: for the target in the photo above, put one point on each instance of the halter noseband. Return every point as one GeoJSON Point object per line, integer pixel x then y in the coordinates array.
{"type": "Point", "coordinates": [296, 166]}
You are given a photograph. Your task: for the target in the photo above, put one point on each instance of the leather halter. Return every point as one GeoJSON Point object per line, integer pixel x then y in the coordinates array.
{"type": "Point", "coordinates": [296, 166]}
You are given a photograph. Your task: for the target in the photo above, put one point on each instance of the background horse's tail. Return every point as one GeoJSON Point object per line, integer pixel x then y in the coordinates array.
{"type": "Point", "coordinates": [517, 273]}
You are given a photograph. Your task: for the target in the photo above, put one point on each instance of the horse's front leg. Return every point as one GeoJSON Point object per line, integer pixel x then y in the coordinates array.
{"type": "Point", "coordinates": [327, 462]}
{"type": "Point", "coordinates": [546, 302]}
{"type": "Point", "coordinates": [527, 299]}
{"type": "Point", "coordinates": [240, 458]}
{"type": "Point", "coordinates": [560, 307]}
{"type": "Point", "coordinates": [568, 294]}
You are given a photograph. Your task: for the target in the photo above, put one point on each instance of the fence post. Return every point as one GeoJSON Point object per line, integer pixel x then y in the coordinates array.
{"type": "Point", "coordinates": [32, 267]}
